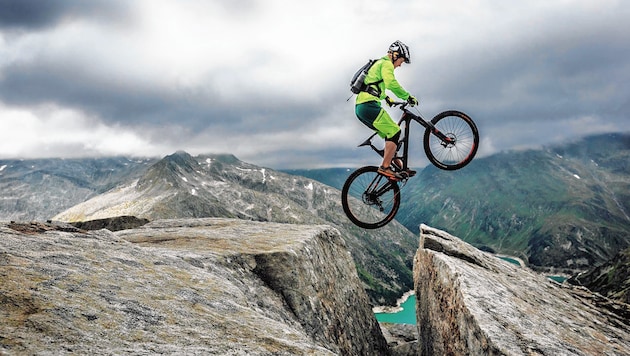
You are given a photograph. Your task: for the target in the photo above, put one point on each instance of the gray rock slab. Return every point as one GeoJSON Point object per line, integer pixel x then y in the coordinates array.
{"type": "Point", "coordinates": [471, 303]}
{"type": "Point", "coordinates": [196, 286]}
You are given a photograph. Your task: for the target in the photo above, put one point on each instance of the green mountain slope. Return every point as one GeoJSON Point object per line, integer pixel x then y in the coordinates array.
{"type": "Point", "coordinates": [612, 279]}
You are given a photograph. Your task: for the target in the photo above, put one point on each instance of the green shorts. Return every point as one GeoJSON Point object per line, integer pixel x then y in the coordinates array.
{"type": "Point", "coordinates": [375, 117]}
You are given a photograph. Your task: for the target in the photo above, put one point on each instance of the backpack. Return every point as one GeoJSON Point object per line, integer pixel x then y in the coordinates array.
{"type": "Point", "coordinates": [357, 84]}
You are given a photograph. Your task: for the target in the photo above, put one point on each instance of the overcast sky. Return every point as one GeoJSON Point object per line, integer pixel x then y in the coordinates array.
{"type": "Point", "coordinates": [267, 80]}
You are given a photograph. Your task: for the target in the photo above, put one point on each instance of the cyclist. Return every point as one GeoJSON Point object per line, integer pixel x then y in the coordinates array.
{"type": "Point", "coordinates": [368, 103]}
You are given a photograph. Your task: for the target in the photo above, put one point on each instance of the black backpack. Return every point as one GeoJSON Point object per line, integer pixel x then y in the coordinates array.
{"type": "Point", "coordinates": [357, 84]}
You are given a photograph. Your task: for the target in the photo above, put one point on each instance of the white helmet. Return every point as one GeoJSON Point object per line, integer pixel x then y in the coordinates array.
{"type": "Point", "coordinates": [400, 49]}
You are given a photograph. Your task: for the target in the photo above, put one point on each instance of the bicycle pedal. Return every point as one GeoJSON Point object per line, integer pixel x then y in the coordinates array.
{"type": "Point", "coordinates": [394, 179]}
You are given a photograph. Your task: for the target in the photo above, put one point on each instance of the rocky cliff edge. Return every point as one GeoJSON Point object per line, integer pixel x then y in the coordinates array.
{"type": "Point", "coordinates": [472, 303]}
{"type": "Point", "coordinates": [202, 286]}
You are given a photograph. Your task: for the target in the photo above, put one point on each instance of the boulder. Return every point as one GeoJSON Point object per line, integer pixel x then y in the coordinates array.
{"type": "Point", "coordinates": [470, 302]}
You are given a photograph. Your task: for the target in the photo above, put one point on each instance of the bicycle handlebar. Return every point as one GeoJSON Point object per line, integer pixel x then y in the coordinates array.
{"type": "Point", "coordinates": [403, 104]}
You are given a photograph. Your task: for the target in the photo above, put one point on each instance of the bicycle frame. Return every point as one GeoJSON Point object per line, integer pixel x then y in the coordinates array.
{"type": "Point", "coordinates": [450, 142]}
{"type": "Point", "coordinates": [407, 117]}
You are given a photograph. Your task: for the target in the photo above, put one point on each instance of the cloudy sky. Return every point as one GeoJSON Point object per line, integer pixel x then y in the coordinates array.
{"type": "Point", "coordinates": [267, 80]}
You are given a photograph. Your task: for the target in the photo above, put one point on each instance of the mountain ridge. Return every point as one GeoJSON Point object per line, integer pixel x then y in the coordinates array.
{"type": "Point", "coordinates": [611, 279]}
{"type": "Point", "coordinates": [38, 189]}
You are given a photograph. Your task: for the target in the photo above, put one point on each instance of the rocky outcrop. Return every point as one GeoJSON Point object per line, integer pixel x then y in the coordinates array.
{"type": "Point", "coordinates": [472, 303]}
{"type": "Point", "coordinates": [197, 286]}
{"type": "Point", "coordinates": [401, 338]}
{"type": "Point", "coordinates": [112, 224]}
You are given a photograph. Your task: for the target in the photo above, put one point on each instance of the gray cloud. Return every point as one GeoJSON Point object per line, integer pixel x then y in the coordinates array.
{"type": "Point", "coordinates": [38, 15]}
{"type": "Point", "coordinates": [115, 100]}
{"type": "Point", "coordinates": [559, 75]}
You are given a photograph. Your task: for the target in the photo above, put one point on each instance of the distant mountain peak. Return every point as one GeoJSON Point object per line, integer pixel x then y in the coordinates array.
{"type": "Point", "coordinates": [181, 159]}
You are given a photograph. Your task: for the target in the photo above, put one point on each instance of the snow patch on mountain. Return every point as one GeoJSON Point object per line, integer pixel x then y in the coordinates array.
{"type": "Point", "coordinates": [125, 200]}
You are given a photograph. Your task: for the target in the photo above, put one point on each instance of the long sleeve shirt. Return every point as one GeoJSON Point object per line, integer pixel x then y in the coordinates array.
{"type": "Point", "coordinates": [382, 73]}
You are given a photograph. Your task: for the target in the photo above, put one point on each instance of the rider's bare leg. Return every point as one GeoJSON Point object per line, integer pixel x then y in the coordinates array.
{"type": "Point", "coordinates": [390, 151]}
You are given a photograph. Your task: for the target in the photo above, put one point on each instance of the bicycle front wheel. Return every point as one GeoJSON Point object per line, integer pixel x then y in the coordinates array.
{"type": "Point", "coordinates": [369, 199]}
{"type": "Point", "coordinates": [453, 143]}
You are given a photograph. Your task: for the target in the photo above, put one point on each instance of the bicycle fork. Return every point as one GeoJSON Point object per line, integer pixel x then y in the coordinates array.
{"type": "Point", "coordinates": [445, 139]}
{"type": "Point", "coordinates": [374, 192]}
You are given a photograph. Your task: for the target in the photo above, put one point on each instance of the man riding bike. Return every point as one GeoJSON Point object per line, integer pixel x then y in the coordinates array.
{"type": "Point", "coordinates": [368, 103]}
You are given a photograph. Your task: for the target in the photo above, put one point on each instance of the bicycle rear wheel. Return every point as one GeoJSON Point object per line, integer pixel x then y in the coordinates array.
{"type": "Point", "coordinates": [461, 142]}
{"type": "Point", "coordinates": [369, 199]}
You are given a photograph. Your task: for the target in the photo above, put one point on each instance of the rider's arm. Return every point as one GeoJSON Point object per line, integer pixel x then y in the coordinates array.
{"type": "Point", "coordinates": [387, 72]}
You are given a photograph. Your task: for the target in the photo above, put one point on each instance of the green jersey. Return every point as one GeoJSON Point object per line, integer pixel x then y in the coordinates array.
{"type": "Point", "coordinates": [382, 72]}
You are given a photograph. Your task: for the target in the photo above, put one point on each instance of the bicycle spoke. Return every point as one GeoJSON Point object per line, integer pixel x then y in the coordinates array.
{"type": "Point", "coordinates": [369, 199]}
{"type": "Point", "coordinates": [461, 141]}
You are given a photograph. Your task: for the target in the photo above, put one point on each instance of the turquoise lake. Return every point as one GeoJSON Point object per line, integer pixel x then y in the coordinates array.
{"type": "Point", "coordinates": [511, 260]}
{"type": "Point", "coordinates": [406, 316]}
{"type": "Point", "coordinates": [558, 279]}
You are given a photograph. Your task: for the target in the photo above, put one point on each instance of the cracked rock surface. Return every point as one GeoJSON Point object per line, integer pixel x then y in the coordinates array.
{"type": "Point", "coordinates": [185, 286]}
{"type": "Point", "coordinates": [471, 303]}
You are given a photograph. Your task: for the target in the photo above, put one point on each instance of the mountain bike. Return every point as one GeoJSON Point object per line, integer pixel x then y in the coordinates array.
{"type": "Point", "coordinates": [371, 200]}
